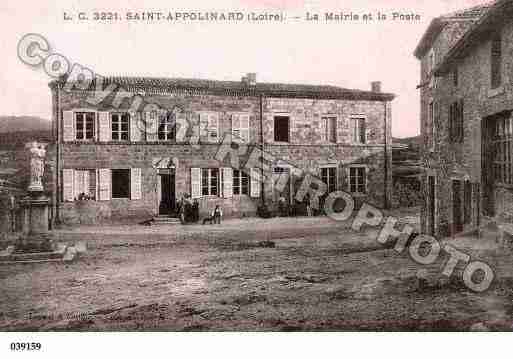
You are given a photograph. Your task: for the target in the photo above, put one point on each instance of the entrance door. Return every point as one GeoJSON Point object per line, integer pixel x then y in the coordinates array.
{"type": "Point", "coordinates": [457, 215]}
{"type": "Point", "coordinates": [167, 193]}
{"type": "Point", "coordinates": [431, 205]}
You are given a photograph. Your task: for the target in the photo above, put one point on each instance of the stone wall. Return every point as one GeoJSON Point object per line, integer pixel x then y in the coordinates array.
{"type": "Point", "coordinates": [305, 150]}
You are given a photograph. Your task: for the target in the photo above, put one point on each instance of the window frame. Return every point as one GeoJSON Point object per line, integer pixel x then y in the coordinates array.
{"type": "Point", "coordinates": [209, 185]}
{"type": "Point", "coordinates": [364, 170]}
{"type": "Point", "coordinates": [84, 126]}
{"type": "Point", "coordinates": [356, 135]}
{"type": "Point", "coordinates": [169, 127]}
{"type": "Point", "coordinates": [119, 131]}
{"type": "Point", "coordinates": [330, 137]}
{"type": "Point", "coordinates": [289, 126]}
{"type": "Point", "coordinates": [92, 173]}
{"type": "Point", "coordinates": [118, 170]}
{"type": "Point", "coordinates": [328, 183]}
{"type": "Point", "coordinates": [238, 176]}
{"type": "Point", "coordinates": [501, 144]}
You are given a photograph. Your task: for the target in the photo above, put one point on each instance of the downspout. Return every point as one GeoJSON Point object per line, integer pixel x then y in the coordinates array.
{"type": "Point", "coordinates": [262, 195]}
{"type": "Point", "coordinates": [385, 197]}
{"type": "Point", "coordinates": [57, 156]}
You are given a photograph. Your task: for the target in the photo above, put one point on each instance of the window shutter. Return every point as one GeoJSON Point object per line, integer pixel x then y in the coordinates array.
{"type": "Point", "coordinates": [195, 182]}
{"type": "Point", "coordinates": [227, 182]}
{"type": "Point", "coordinates": [236, 128]}
{"type": "Point", "coordinates": [68, 126]}
{"type": "Point", "coordinates": [104, 126]}
{"type": "Point", "coordinates": [203, 126]}
{"type": "Point", "coordinates": [67, 185]}
{"type": "Point", "coordinates": [244, 127]}
{"type": "Point", "coordinates": [324, 129]}
{"type": "Point", "coordinates": [135, 184]}
{"type": "Point", "coordinates": [152, 125]}
{"type": "Point", "coordinates": [213, 127]}
{"type": "Point", "coordinates": [353, 124]}
{"type": "Point", "coordinates": [104, 188]}
{"type": "Point", "coordinates": [366, 174]}
{"type": "Point", "coordinates": [461, 134]}
{"type": "Point", "coordinates": [135, 132]}
{"type": "Point", "coordinates": [348, 179]}
{"type": "Point", "coordinates": [255, 183]}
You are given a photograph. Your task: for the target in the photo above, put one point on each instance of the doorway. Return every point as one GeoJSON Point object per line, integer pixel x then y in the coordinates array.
{"type": "Point", "coordinates": [167, 198]}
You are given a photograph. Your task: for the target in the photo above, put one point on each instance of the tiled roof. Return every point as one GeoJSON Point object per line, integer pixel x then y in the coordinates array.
{"type": "Point", "coordinates": [160, 84]}
{"type": "Point", "coordinates": [471, 15]}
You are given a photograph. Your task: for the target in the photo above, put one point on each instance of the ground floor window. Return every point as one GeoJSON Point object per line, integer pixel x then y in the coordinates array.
{"type": "Point", "coordinates": [329, 176]}
{"type": "Point", "coordinates": [501, 143]}
{"type": "Point", "coordinates": [120, 183]}
{"type": "Point", "coordinates": [85, 184]}
{"type": "Point", "coordinates": [357, 180]}
{"type": "Point", "coordinates": [240, 182]}
{"type": "Point", "coordinates": [210, 181]}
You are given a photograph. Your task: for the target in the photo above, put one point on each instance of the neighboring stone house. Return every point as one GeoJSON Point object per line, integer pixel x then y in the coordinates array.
{"type": "Point", "coordinates": [466, 104]}
{"type": "Point", "coordinates": [118, 161]}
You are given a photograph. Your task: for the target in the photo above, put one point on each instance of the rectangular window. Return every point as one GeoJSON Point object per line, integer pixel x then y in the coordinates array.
{"type": "Point", "coordinates": [357, 180]}
{"type": "Point", "coordinates": [120, 123]}
{"type": "Point", "coordinates": [456, 133]}
{"type": "Point", "coordinates": [281, 128]}
{"type": "Point", "coordinates": [210, 181]}
{"type": "Point", "coordinates": [359, 128]}
{"type": "Point", "coordinates": [240, 128]}
{"type": "Point", "coordinates": [329, 176]}
{"type": "Point", "coordinates": [496, 61]}
{"type": "Point", "coordinates": [455, 75]}
{"type": "Point", "coordinates": [84, 125]}
{"type": "Point", "coordinates": [85, 184]}
{"type": "Point", "coordinates": [240, 182]}
{"type": "Point", "coordinates": [467, 202]}
{"type": "Point", "coordinates": [502, 146]}
{"type": "Point", "coordinates": [120, 183]}
{"type": "Point", "coordinates": [167, 128]}
{"type": "Point", "coordinates": [330, 128]}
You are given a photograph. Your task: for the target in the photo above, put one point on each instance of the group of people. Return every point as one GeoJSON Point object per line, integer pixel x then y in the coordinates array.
{"type": "Point", "coordinates": [188, 211]}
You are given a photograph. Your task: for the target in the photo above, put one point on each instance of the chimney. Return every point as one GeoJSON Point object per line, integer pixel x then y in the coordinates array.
{"type": "Point", "coordinates": [249, 79]}
{"type": "Point", "coordinates": [376, 86]}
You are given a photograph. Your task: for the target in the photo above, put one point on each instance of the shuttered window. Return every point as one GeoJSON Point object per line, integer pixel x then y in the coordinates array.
{"type": "Point", "coordinates": [456, 133]}
{"type": "Point", "coordinates": [209, 126]}
{"type": "Point", "coordinates": [329, 177]}
{"type": "Point", "coordinates": [329, 127]}
{"type": "Point", "coordinates": [496, 61]}
{"type": "Point", "coordinates": [358, 129]}
{"type": "Point", "coordinates": [84, 125]}
{"type": "Point", "coordinates": [240, 182]}
{"type": "Point", "coordinates": [85, 184]}
{"type": "Point", "coordinates": [357, 180]}
{"type": "Point", "coordinates": [502, 147]}
{"type": "Point", "coordinates": [240, 128]}
{"type": "Point", "coordinates": [210, 181]}
{"type": "Point", "coordinates": [120, 124]}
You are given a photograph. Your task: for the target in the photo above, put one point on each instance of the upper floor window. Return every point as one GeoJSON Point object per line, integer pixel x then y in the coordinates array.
{"type": "Point", "coordinates": [120, 183]}
{"type": "Point", "coordinates": [455, 77]}
{"type": "Point", "coordinates": [209, 124]}
{"type": "Point", "coordinates": [84, 125]}
{"type": "Point", "coordinates": [501, 144]}
{"type": "Point", "coordinates": [240, 127]}
{"type": "Point", "coordinates": [496, 61]}
{"type": "Point", "coordinates": [456, 121]}
{"type": "Point", "coordinates": [167, 128]}
{"type": "Point", "coordinates": [281, 128]}
{"type": "Point", "coordinates": [329, 177]}
{"type": "Point", "coordinates": [329, 127]}
{"type": "Point", "coordinates": [240, 182]}
{"type": "Point", "coordinates": [358, 129]}
{"type": "Point", "coordinates": [119, 126]}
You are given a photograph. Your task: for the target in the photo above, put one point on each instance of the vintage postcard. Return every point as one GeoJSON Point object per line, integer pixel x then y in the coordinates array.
{"type": "Point", "coordinates": [255, 166]}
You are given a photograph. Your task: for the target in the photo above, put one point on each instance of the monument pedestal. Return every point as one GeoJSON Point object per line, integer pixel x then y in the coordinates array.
{"type": "Point", "coordinates": [36, 237]}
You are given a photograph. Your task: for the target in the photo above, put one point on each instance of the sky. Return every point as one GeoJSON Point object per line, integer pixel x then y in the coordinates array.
{"type": "Point", "coordinates": [350, 54]}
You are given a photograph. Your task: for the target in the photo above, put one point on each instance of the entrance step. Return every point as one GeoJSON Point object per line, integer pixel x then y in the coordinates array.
{"type": "Point", "coordinates": [165, 220]}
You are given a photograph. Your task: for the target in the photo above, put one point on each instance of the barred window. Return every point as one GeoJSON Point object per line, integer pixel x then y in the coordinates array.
{"type": "Point", "coordinates": [240, 182]}
{"type": "Point", "coordinates": [357, 180]}
{"type": "Point", "coordinates": [456, 121]}
{"type": "Point", "coordinates": [120, 124]}
{"type": "Point", "coordinates": [502, 147]}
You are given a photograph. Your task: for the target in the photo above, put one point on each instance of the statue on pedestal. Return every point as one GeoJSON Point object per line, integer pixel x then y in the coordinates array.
{"type": "Point", "coordinates": [37, 166]}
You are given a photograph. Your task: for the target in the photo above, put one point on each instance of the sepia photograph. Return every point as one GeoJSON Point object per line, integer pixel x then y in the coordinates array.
{"type": "Point", "coordinates": [285, 168]}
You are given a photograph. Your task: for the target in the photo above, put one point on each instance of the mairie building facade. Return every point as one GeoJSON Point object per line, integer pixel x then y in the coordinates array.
{"type": "Point", "coordinates": [116, 160]}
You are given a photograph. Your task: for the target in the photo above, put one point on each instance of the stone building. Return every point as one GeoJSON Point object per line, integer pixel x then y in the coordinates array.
{"type": "Point", "coordinates": [132, 147]}
{"type": "Point", "coordinates": [466, 103]}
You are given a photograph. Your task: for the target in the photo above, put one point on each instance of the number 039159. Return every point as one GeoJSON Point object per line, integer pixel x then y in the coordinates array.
{"type": "Point", "coordinates": [25, 346]}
